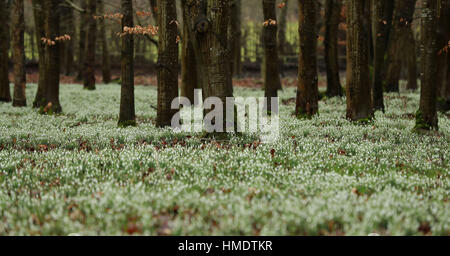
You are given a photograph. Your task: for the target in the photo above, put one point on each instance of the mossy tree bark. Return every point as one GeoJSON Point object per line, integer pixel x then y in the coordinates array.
{"type": "Point", "coordinates": [401, 45]}
{"type": "Point", "coordinates": [427, 116]}
{"type": "Point", "coordinates": [5, 93]}
{"type": "Point", "coordinates": [106, 63]}
{"type": "Point", "coordinates": [307, 91]}
{"type": "Point", "coordinates": [381, 23]}
{"type": "Point", "coordinates": [127, 115]}
{"type": "Point", "coordinates": [82, 40]}
{"type": "Point", "coordinates": [167, 61]}
{"type": "Point", "coordinates": [91, 37]}
{"type": "Point", "coordinates": [189, 78]}
{"type": "Point", "coordinates": [332, 19]}
{"type": "Point", "coordinates": [235, 39]}
{"type": "Point", "coordinates": [50, 101]}
{"type": "Point", "coordinates": [359, 100]}
{"type": "Point", "coordinates": [18, 25]}
{"type": "Point", "coordinates": [39, 21]}
{"type": "Point", "coordinates": [271, 71]}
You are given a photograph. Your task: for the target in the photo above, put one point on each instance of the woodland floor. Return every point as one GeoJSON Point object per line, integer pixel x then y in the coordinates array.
{"type": "Point", "coordinates": [78, 173]}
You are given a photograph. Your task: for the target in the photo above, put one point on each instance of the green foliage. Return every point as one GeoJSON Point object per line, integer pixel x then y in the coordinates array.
{"type": "Point", "coordinates": [421, 124]}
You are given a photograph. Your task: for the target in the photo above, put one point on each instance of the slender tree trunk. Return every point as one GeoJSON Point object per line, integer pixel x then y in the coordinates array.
{"type": "Point", "coordinates": [106, 63]}
{"type": "Point", "coordinates": [443, 34]}
{"type": "Point", "coordinates": [5, 93]}
{"type": "Point", "coordinates": [189, 79]}
{"type": "Point", "coordinates": [167, 61]}
{"type": "Point", "coordinates": [307, 92]}
{"type": "Point", "coordinates": [39, 21]}
{"type": "Point", "coordinates": [69, 29]}
{"type": "Point", "coordinates": [154, 10]}
{"type": "Point", "coordinates": [381, 23]}
{"type": "Point", "coordinates": [91, 36]}
{"type": "Point", "coordinates": [426, 117]}
{"type": "Point", "coordinates": [332, 19]}
{"type": "Point", "coordinates": [272, 81]}
{"type": "Point", "coordinates": [410, 59]}
{"type": "Point", "coordinates": [235, 37]}
{"type": "Point", "coordinates": [282, 41]}
{"type": "Point", "coordinates": [127, 115]}
{"type": "Point", "coordinates": [52, 59]}
{"type": "Point", "coordinates": [82, 40]}
{"type": "Point", "coordinates": [18, 24]}
{"type": "Point", "coordinates": [359, 100]}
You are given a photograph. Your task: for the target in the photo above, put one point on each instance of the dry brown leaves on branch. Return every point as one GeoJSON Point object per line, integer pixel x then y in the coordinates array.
{"type": "Point", "coordinates": [138, 30]}
{"type": "Point", "coordinates": [270, 22]}
{"type": "Point", "coordinates": [51, 42]}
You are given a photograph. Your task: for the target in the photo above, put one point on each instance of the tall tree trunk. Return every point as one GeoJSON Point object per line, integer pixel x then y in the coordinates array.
{"type": "Point", "coordinates": [5, 93]}
{"type": "Point", "coordinates": [82, 40]}
{"type": "Point", "coordinates": [167, 61]}
{"type": "Point", "coordinates": [91, 36]}
{"type": "Point", "coordinates": [443, 34]}
{"type": "Point", "coordinates": [52, 59]}
{"type": "Point", "coordinates": [189, 79]}
{"type": "Point", "coordinates": [154, 10]}
{"type": "Point", "coordinates": [127, 115]}
{"type": "Point", "coordinates": [18, 25]}
{"type": "Point", "coordinates": [106, 63]}
{"type": "Point", "coordinates": [272, 81]}
{"type": "Point", "coordinates": [399, 46]}
{"type": "Point", "coordinates": [39, 21]}
{"type": "Point", "coordinates": [359, 100]}
{"type": "Point", "coordinates": [282, 31]}
{"type": "Point", "coordinates": [426, 117]}
{"type": "Point", "coordinates": [332, 19]}
{"type": "Point", "coordinates": [307, 92]}
{"type": "Point", "coordinates": [235, 37]}
{"type": "Point", "coordinates": [69, 29]}
{"type": "Point", "coordinates": [381, 23]}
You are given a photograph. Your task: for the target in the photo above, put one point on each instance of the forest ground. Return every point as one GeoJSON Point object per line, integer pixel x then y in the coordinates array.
{"type": "Point", "coordinates": [78, 173]}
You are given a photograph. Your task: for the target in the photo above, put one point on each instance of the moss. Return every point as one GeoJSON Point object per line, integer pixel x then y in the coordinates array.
{"type": "Point", "coordinates": [125, 124]}
{"type": "Point", "coordinates": [421, 124]}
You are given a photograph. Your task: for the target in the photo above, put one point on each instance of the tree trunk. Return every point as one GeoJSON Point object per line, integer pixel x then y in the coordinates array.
{"type": "Point", "coordinates": [443, 34]}
{"type": "Point", "coordinates": [106, 63]}
{"type": "Point", "coordinates": [18, 25]}
{"type": "Point", "coordinates": [426, 117]}
{"type": "Point", "coordinates": [272, 81]}
{"type": "Point", "coordinates": [127, 115]}
{"type": "Point", "coordinates": [282, 41]}
{"type": "Point", "coordinates": [381, 23]}
{"type": "Point", "coordinates": [359, 101]}
{"type": "Point", "coordinates": [5, 93]}
{"type": "Point", "coordinates": [307, 91]}
{"type": "Point", "coordinates": [52, 59]}
{"type": "Point", "coordinates": [91, 36]}
{"type": "Point", "coordinates": [332, 19]}
{"type": "Point", "coordinates": [399, 46]}
{"type": "Point", "coordinates": [154, 10]}
{"type": "Point", "coordinates": [69, 29]}
{"type": "Point", "coordinates": [39, 21]}
{"type": "Point", "coordinates": [235, 37]}
{"type": "Point", "coordinates": [82, 40]}
{"type": "Point", "coordinates": [189, 79]}
{"type": "Point", "coordinates": [167, 61]}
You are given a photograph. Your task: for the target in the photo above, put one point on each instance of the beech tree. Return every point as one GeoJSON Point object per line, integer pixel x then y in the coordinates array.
{"type": "Point", "coordinates": [68, 23]}
{"type": "Point", "coordinates": [127, 116]}
{"type": "Point", "coordinates": [106, 63]}
{"type": "Point", "coordinates": [91, 37]}
{"type": "Point", "coordinates": [5, 93]}
{"type": "Point", "coordinates": [332, 19]}
{"type": "Point", "coordinates": [307, 91]}
{"type": "Point", "coordinates": [271, 72]}
{"type": "Point", "coordinates": [426, 117]}
{"type": "Point", "coordinates": [235, 39]}
{"type": "Point", "coordinates": [18, 23]}
{"type": "Point", "coordinates": [167, 61]}
{"type": "Point", "coordinates": [82, 39]}
{"type": "Point", "coordinates": [359, 101]}
{"type": "Point", "coordinates": [381, 23]}
{"type": "Point", "coordinates": [443, 34]}
{"type": "Point", "coordinates": [282, 31]}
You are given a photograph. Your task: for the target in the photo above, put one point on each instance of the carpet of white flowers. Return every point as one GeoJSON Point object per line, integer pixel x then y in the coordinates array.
{"type": "Point", "coordinates": [78, 173]}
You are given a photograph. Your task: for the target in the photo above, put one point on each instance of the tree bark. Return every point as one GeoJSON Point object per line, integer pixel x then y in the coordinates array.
{"type": "Point", "coordinates": [106, 63]}
{"type": "Point", "coordinates": [127, 115]}
{"type": "Point", "coordinates": [18, 25]}
{"type": "Point", "coordinates": [52, 59]}
{"type": "Point", "coordinates": [359, 101]}
{"type": "Point", "coordinates": [69, 29]}
{"type": "Point", "coordinates": [39, 21]}
{"type": "Point", "coordinates": [167, 61]}
{"type": "Point", "coordinates": [235, 37]}
{"type": "Point", "coordinates": [443, 34]}
{"type": "Point", "coordinates": [5, 93]}
{"type": "Point", "coordinates": [154, 10]}
{"type": "Point", "coordinates": [82, 40]}
{"type": "Point", "coordinates": [381, 23]}
{"type": "Point", "coordinates": [307, 91]}
{"type": "Point", "coordinates": [91, 36]}
{"type": "Point", "coordinates": [189, 78]}
{"type": "Point", "coordinates": [426, 117]}
{"type": "Point", "coordinates": [332, 19]}
{"type": "Point", "coordinates": [272, 82]}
